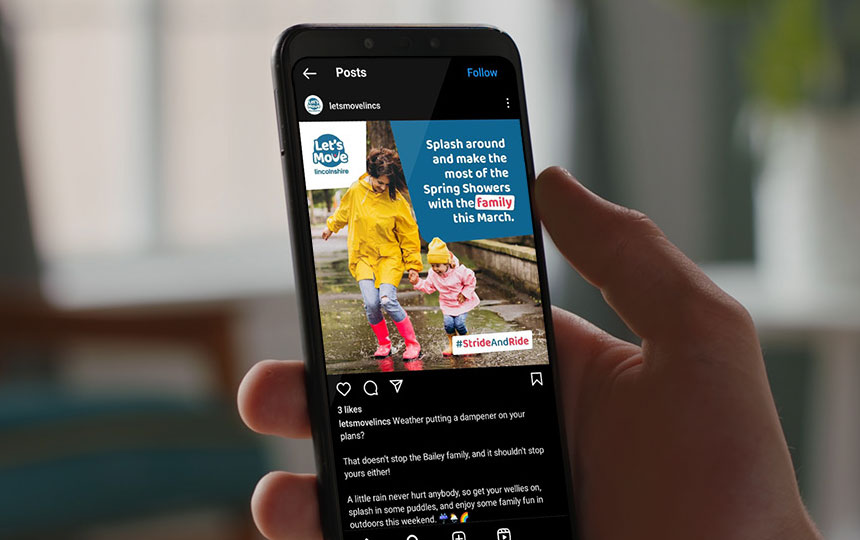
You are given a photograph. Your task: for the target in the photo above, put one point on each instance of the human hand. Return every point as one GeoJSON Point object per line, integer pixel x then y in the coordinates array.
{"type": "Point", "coordinates": [272, 400]}
{"type": "Point", "coordinates": [326, 234]}
{"type": "Point", "coordinates": [461, 298]}
{"type": "Point", "coordinates": [676, 438]}
{"type": "Point", "coordinates": [413, 276]}
{"type": "Point", "coordinates": [680, 434]}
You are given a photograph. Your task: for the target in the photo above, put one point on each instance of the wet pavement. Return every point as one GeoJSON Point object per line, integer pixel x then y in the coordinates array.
{"type": "Point", "coordinates": [349, 342]}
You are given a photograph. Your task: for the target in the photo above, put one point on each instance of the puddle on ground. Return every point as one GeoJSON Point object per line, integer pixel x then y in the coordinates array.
{"type": "Point", "coordinates": [349, 342]}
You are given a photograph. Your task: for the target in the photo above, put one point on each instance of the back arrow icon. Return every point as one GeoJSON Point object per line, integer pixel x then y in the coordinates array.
{"type": "Point", "coordinates": [308, 74]}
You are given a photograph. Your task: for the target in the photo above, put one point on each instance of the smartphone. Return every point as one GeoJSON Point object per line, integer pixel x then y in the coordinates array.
{"type": "Point", "coordinates": [431, 369]}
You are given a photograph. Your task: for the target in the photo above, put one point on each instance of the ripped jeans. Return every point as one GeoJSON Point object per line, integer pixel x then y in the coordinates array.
{"type": "Point", "coordinates": [376, 299]}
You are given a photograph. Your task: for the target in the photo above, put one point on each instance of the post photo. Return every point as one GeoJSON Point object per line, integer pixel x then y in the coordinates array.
{"type": "Point", "coordinates": [406, 288]}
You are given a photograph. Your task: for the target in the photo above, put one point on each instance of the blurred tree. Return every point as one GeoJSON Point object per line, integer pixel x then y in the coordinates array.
{"type": "Point", "coordinates": [323, 196]}
{"type": "Point", "coordinates": [379, 135]}
{"type": "Point", "coordinates": [799, 52]}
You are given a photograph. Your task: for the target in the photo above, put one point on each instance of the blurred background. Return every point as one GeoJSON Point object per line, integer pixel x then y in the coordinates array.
{"type": "Point", "coordinates": [145, 259]}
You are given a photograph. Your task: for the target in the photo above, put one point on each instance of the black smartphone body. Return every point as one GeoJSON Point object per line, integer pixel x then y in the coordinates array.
{"type": "Point", "coordinates": [430, 364]}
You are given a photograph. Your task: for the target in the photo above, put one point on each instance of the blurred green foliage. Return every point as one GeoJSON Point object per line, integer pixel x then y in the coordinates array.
{"type": "Point", "coordinates": [799, 52]}
{"type": "Point", "coordinates": [323, 197]}
{"type": "Point", "coordinates": [791, 52]}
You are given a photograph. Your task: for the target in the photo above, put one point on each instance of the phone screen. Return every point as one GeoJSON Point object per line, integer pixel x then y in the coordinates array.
{"type": "Point", "coordinates": [441, 403]}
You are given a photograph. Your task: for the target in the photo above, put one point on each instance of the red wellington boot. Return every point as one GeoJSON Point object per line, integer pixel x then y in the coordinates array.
{"type": "Point", "coordinates": [381, 331]}
{"type": "Point", "coordinates": [413, 349]}
{"type": "Point", "coordinates": [383, 352]}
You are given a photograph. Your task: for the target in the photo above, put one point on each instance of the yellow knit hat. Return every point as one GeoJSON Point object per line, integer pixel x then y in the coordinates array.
{"type": "Point", "coordinates": [437, 252]}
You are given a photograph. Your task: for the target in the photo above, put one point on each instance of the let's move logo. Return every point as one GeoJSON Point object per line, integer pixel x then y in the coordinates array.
{"type": "Point", "coordinates": [329, 151]}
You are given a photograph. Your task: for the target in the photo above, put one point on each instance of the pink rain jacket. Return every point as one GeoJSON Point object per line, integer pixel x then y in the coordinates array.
{"type": "Point", "coordinates": [453, 282]}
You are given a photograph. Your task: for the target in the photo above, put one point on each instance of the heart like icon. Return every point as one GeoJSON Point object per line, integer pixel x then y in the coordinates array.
{"type": "Point", "coordinates": [343, 388]}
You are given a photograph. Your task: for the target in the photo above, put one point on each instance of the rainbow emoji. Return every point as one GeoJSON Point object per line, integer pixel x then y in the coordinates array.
{"type": "Point", "coordinates": [464, 517]}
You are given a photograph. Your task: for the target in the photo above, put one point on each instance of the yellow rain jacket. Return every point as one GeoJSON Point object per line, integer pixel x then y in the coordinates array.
{"type": "Point", "coordinates": [383, 235]}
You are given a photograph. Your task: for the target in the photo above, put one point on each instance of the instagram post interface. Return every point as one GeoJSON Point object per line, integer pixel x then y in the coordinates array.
{"type": "Point", "coordinates": [441, 410]}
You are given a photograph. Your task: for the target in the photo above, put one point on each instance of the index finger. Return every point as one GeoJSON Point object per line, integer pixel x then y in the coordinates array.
{"type": "Point", "coordinates": [655, 288]}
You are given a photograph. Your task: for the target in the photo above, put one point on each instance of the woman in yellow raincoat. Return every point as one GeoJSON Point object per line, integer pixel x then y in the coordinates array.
{"type": "Point", "coordinates": [382, 242]}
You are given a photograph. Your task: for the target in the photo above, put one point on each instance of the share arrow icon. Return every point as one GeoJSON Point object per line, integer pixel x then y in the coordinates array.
{"type": "Point", "coordinates": [396, 383]}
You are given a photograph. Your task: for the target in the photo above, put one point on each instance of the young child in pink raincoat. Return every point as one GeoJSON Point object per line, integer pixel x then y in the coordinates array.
{"type": "Point", "coordinates": [456, 286]}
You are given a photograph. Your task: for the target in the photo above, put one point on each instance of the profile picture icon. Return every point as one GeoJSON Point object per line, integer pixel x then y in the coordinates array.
{"type": "Point", "coordinates": [313, 104]}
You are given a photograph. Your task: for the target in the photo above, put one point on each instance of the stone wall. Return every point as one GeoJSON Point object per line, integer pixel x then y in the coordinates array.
{"type": "Point", "coordinates": [508, 263]}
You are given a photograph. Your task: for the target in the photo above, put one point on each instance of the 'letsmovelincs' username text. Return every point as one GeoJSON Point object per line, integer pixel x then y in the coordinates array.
{"type": "Point", "coordinates": [360, 106]}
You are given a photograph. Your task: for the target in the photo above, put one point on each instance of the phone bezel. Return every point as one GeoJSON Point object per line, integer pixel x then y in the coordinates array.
{"type": "Point", "coordinates": [308, 40]}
